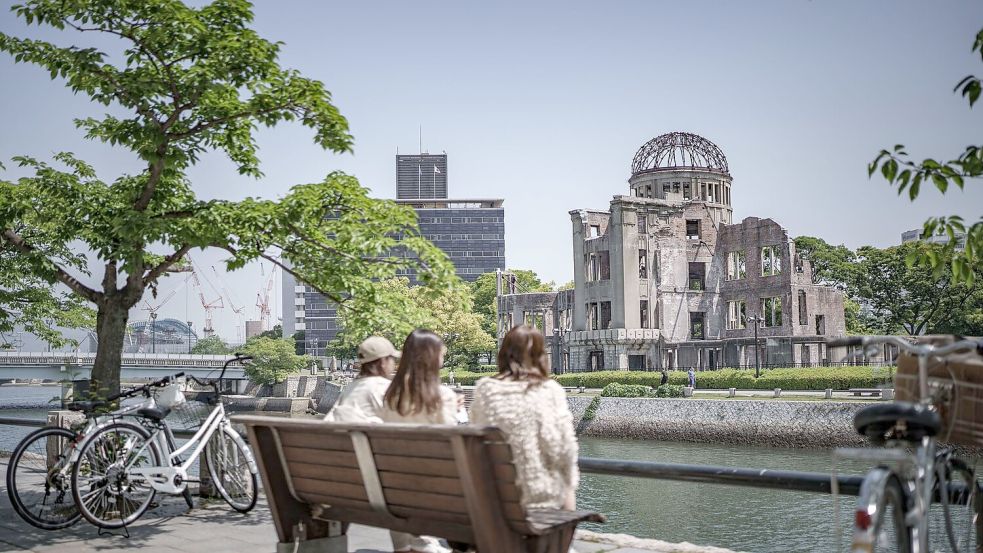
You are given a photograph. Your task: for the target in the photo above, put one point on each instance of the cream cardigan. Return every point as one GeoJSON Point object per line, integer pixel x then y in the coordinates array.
{"type": "Point", "coordinates": [539, 427]}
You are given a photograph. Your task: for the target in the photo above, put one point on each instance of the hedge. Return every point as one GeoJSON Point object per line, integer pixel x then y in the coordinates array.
{"type": "Point", "coordinates": [669, 390]}
{"type": "Point", "coordinates": [818, 378]}
{"type": "Point", "coordinates": [615, 389]}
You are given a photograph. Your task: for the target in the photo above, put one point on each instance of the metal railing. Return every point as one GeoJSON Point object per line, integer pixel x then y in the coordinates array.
{"type": "Point", "coordinates": [815, 482]}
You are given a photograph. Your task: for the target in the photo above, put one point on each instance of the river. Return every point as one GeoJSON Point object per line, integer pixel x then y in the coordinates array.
{"type": "Point", "coordinates": [739, 518]}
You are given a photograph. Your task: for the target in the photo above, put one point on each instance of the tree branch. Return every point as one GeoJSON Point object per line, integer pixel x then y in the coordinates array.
{"type": "Point", "coordinates": [20, 245]}
{"type": "Point", "coordinates": [168, 262]}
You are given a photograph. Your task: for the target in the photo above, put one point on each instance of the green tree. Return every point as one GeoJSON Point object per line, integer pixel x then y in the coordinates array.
{"type": "Point", "coordinates": [484, 290]}
{"type": "Point", "coordinates": [212, 345]}
{"type": "Point", "coordinates": [900, 170]}
{"type": "Point", "coordinates": [276, 332]}
{"type": "Point", "coordinates": [181, 82]}
{"type": "Point", "coordinates": [449, 314]}
{"type": "Point", "coordinates": [273, 360]}
{"type": "Point", "coordinates": [835, 266]}
{"type": "Point", "coordinates": [901, 297]}
{"type": "Point", "coordinates": [298, 339]}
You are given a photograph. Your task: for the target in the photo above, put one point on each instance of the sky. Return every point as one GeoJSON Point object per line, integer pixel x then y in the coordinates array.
{"type": "Point", "coordinates": [544, 104]}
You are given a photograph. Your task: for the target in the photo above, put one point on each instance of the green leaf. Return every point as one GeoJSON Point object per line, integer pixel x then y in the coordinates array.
{"type": "Point", "coordinates": [940, 182]}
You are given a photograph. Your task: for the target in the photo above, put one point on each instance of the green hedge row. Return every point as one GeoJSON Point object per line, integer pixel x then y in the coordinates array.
{"type": "Point", "coordinates": [615, 389]}
{"type": "Point", "coordinates": [817, 378]}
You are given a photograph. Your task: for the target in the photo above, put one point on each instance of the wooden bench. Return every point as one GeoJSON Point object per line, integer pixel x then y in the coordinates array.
{"type": "Point", "coordinates": [874, 392]}
{"type": "Point", "coordinates": [454, 482]}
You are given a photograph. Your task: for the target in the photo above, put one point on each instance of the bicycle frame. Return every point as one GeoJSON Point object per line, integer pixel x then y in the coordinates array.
{"type": "Point", "coordinates": [173, 478]}
{"type": "Point", "coordinates": [916, 471]}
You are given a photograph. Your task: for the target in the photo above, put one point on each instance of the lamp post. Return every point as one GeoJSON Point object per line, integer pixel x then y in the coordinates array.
{"type": "Point", "coordinates": [189, 336]}
{"type": "Point", "coordinates": [756, 320]}
{"type": "Point", "coordinates": [153, 333]}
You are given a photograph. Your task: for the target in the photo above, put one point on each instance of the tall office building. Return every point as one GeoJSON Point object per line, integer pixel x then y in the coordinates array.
{"type": "Point", "coordinates": [470, 231]}
{"type": "Point", "coordinates": [421, 176]}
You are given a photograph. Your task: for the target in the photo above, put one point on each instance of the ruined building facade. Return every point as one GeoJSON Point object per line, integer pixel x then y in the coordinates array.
{"type": "Point", "coordinates": [664, 278]}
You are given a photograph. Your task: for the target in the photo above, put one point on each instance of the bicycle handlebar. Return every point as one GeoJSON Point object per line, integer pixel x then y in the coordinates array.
{"type": "Point", "coordinates": [145, 388]}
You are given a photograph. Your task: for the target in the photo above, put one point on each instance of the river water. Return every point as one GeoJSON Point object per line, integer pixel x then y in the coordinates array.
{"type": "Point", "coordinates": [738, 518]}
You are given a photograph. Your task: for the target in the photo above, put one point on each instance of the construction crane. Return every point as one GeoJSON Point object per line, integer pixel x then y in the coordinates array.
{"type": "Point", "coordinates": [150, 327]}
{"type": "Point", "coordinates": [263, 298]}
{"type": "Point", "coordinates": [209, 306]}
{"type": "Point", "coordinates": [240, 316]}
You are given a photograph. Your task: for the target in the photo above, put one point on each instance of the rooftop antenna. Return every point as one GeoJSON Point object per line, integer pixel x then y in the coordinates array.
{"type": "Point", "coordinates": [421, 139]}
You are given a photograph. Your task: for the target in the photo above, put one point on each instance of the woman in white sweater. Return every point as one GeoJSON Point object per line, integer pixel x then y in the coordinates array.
{"type": "Point", "coordinates": [532, 411]}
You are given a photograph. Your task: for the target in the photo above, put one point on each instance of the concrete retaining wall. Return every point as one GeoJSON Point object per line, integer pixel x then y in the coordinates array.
{"type": "Point", "coordinates": [820, 424]}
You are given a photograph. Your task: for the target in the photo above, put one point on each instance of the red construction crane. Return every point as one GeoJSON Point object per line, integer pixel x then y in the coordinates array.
{"type": "Point", "coordinates": [239, 311]}
{"type": "Point", "coordinates": [209, 306]}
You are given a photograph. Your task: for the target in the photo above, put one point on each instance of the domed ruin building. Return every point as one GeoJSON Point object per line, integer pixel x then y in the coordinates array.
{"type": "Point", "coordinates": [664, 278]}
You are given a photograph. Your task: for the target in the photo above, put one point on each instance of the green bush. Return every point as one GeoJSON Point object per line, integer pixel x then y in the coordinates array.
{"type": "Point", "coordinates": [669, 390]}
{"type": "Point", "coordinates": [486, 369]}
{"type": "Point", "coordinates": [615, 389]}
{"type": "Point", "coordinates": [817, 378]}
{"type": "Point", "coordinates": [464, 378]}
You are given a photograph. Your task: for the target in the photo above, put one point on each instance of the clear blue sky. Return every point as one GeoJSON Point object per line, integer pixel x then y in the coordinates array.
{"type": "Point", "coordinates": [545, 103]}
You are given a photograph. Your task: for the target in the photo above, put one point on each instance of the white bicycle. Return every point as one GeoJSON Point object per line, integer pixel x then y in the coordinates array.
{"type": "Point", "coordinates": [122, 466]}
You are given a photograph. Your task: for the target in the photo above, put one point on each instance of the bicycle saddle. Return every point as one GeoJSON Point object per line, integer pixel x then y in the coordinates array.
{"type": "Point", "coordinates": [897, 421]}
{"type": "Point", "coordinates": [154, 413]}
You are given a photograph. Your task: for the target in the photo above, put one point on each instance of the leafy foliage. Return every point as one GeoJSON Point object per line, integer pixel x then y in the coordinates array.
{"type": "Point", "coordinates": [899, 169]}
{"type": "Point", "coordinates": [616, 389]}
{"type": "Point", "coordinates": [273, 360]}
{"type": "Point", "coordinates": [184, 81]}
{"type": "Point", "coordinates": [276, 332]}
{"type": "Point", "coordinates": [446, 312]}
{"type": "Point", "coordinates": [669, 390]}
{"type": "Point", "coordinates": [213, 345]}
{"type": "Point", "coordinates": [820, 378]}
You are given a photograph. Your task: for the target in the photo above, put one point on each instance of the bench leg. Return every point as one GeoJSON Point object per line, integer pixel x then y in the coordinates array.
{"type": "Point", "coordinates": [555, 542]}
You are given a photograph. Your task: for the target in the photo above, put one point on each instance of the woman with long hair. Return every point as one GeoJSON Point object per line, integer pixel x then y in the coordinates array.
{"type": "Point", "coordinates": [416, 396]}
{"type": "Point", "coordinates": [531, 409]}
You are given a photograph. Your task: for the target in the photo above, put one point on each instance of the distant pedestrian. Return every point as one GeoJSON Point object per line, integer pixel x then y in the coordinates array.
{"type": "Point", "coordinates": [665, 378]}
{"type": "Point", "coordinates": [692, 378]}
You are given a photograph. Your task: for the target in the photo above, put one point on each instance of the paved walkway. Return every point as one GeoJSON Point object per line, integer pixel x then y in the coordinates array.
{"type": "Point", "coordinates": [212, 527]}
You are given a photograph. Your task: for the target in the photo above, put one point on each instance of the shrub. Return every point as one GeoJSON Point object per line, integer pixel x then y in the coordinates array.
{"type": "Point", "coordinates": [615, 389]}
{"type": "Point", "coordinates": [817, 378]}
{"type": "Point", "coordinates": [669, 390]}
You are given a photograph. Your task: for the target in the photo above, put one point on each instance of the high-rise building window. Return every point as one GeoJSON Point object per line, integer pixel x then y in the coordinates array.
{"type": "Point", "coordinates": [736, 265]}
{"type": "Point", "coordinates": [771, 311]}
{"type": "Point", "coordinates": [771, 260]}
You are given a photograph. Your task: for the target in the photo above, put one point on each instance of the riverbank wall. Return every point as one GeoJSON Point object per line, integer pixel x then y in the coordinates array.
{"type": "Point", "coordinates": [802, 424]}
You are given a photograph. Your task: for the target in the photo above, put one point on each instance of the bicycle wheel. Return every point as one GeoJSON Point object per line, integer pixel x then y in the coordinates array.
{"type": "Point", "coordinates": [228, 466]}
{"type": "Point", "coordinates": [959, 509]}
{"type": "Point", "coordinates": [105, 491]}
{"type": "Point", "coordinates": [39, 479]}
{"type": "Point", "coordinates": [890, 532]}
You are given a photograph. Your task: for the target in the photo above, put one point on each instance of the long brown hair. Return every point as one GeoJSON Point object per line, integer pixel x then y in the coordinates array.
{"type": "Point", "coordinates": [523, 355]}
{"type": "Point", "coordinates": [416, 386]}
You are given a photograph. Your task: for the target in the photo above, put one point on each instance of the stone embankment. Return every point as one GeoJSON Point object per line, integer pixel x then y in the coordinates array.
{"type": "Point", "coordinates": [820, 424]}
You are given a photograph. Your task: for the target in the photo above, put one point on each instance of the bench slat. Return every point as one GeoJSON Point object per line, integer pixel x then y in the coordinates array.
{"type": "Point", "coordinates": [458, 529]}
{"type": "Point", "coordinates": [334, 442]}
{"type": "Point", "coordinates": [319, 457]}
{"type": "Point", "coordinates": [330, 489]}
{"type": "Point", "coordinates": [418, 483]}
{"type": "Point", "coordinates": [433, 449]}
{"type": "Point", "coordinates": [321, 472]}
{"type": "Point", "coordinates": [407, 465]}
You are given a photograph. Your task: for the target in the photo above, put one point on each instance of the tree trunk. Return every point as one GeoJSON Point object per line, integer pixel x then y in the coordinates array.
{"type": "Point", "coordinates": [111, 332]}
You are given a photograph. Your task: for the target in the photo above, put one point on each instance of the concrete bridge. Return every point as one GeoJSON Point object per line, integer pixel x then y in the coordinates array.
{"type": "Point", "coordinates": [77, 366]}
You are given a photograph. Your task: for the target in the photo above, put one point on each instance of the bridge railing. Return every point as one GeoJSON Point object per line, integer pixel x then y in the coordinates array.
{"type": "Point", "coordinates": [128, 359]}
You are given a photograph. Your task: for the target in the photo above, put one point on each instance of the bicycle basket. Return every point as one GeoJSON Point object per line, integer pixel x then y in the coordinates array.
{"type": "Point", "coordinates": [190, 415]}
{"type": "Point", "coordinates": [955, 387]}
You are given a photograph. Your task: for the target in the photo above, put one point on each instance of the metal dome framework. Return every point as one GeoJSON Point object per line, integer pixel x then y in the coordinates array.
{"type": "Point", "coordinates": [679, 150]}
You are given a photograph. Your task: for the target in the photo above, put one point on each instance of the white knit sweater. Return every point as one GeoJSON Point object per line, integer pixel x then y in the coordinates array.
{"type": "Point", "coordinates": [537, 421]}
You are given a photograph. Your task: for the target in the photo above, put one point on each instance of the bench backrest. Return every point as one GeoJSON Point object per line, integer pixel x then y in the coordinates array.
{"type": "Point", "coordinates": [456, 482]}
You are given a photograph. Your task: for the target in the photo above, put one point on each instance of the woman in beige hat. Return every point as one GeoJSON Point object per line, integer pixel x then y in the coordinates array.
{"type": "Point", "coordinates": [361, 401]}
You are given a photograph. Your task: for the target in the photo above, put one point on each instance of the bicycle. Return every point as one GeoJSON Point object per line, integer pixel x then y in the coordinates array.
{"type": "Point", "coordinates": [39, 472]}
{"type": "Point", "coordinates": [912, 471]}
{"type": "Point", "coordinates": [124, 464]}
